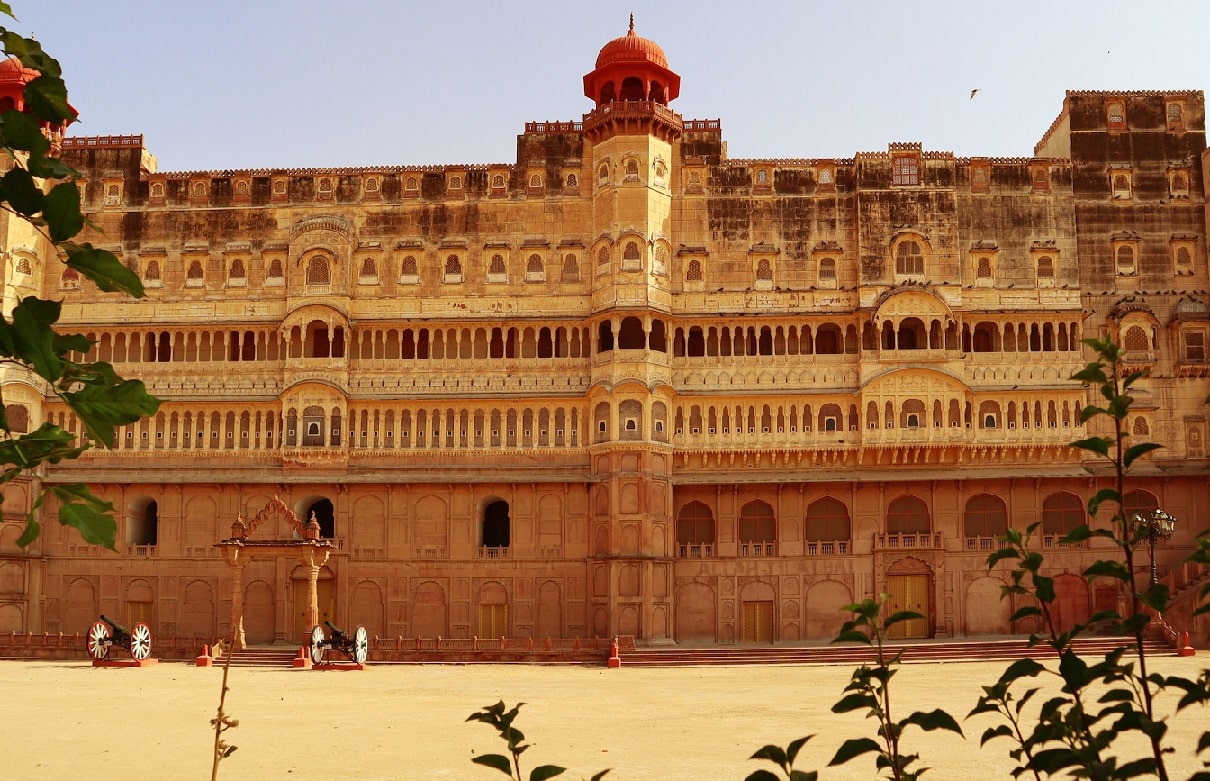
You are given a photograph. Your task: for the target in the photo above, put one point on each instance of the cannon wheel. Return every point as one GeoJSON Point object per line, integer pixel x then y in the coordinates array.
{"type": "Point", "coordinates": [361, 645]}
{"type": "Point", "coordinates": [98, 640]}
{"type": "Point", "coordinates": [140, 641]}
{"type": "Point", "coordinates": [317, 645]}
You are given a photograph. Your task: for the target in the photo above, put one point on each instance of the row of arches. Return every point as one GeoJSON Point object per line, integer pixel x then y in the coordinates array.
{"type": "Point", "coordinates": [827, 527]}
{"type": "Point", "coordinates": [321, 339]}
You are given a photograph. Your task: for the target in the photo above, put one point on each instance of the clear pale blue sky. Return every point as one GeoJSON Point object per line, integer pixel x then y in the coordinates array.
{"type": "Point", "coordinates": [298, 83]}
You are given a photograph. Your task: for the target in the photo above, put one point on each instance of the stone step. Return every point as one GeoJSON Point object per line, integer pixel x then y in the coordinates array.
{"type": "Point", "coordinates": [261, 657]}
{"type": "Point", "coordinates": [953, 651]}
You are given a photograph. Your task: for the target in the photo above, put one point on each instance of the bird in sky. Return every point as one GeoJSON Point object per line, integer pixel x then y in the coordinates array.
{"type": "Point", "coordinates": [976, 89]}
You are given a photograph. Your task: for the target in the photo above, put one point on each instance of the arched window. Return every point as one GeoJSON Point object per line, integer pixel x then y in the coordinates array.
{"type": "Point", "coordinates": [694, 272]}
{"type": "Point", "coordinates": [908, 515]}
{"type": "Point", "coordinates": [828, 527]}
{"type": "Point", "coordinates": [1140, 428]}
{"type": "Point", "coordinates": [236, 274]}
{"type": "Point", "coordinates": [70, 280]}
{"type": "Point", "coordinates": [757, 529]}
{"type": "Point", "coordinates": [496, 267]}
{"type": "Point", "coordinates": [17, 416]}
{"type": "Point", "coordinates": [571, 268]}
{"type": "Point", "coordinates": [1137, 339]}
{"type": "Point", "coordinates": [369, 269]}
{"type": "Point", "coordinates": [1138, 502]}
{"type": "Point", "coordinates": [764, 270]}
{"type": "Point", "coordinates": [535, 182]}
{"type": "Point", "coordinates": [534, 265]}
{"type": "Point", "coordinates": [632, 251]}
{"type": "Point", "coordinates": [275, 271]}
{"type": "Point", "coordinates": [318, 271]}
{"type": "Point", "coordinates": [695, 531]}
{"type": "Point", "coordinates": [195, 276]}
{"type": "Point", "coordinates": [453, 266]}
{"type": "Point", "coordinates": [630, 335]}
{"type": "Point", "coordinates": [985, 516]}
{"type": "Point", "coordinates": [152, 274]}
{"type": "Point", "coordinates": [984, 268]}
{"type": "Point", "coordinates": [572, 182]}
{"type": "Point", "coordinates": [1125, 259]}
{"type": "Point", "coordinates": [827, 270]}
{"type": "Point", "coordinates": [497, 527]}
{"type": "Point", "coordinates": [142, 526]}
{"type": "Point", "coordinates": [1062, 513]}
{"type": "Point", "coordinates": [408, 267]}
{"type": "Point", "coordinates": [325, 515]}
{"type": "Point", "coordinates": [1046, 267]}
{"type": "Point", "coordinates": [603, 256]}
{"type": "Point", "coordinates": [909, 258]}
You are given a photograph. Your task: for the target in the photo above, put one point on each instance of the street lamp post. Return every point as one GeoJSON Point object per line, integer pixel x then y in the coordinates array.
{"type": "Point", "coordinates": [1158, 525]}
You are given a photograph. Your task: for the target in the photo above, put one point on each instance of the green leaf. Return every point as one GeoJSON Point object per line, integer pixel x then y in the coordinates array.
{"type": "Point", "coordinates": [996, 557]}
{"type": "Point", "coordinates": [933, 720]}
{"type": "Point", "coordinates": [34, 337]}
{"type": "Point", "coordinates": [1135, 451]}
{"type": "Point", "coordinates": [1108, 569]}
{"type": "Point", "coordinates": [61, 210]}
{"type": "Point", "coordinates": [46, 96]}
{"type": "Point", "coordinates": [1044, 588]}
{"type": "Point", "coordinates": [855, 701]}
{"type": "Point", "coordinates": [900, 617]}
{"type": "Point", "coordinates": [101, 407]}
{"type": "Point", "coordinates": [761, 775]}
{"type": "Point", "coordinates": [6, 9]}
{"type": "Point", "coordinates": [30, 533]}
{"type": "Point", "coordinates": [803, 775]}
{"type": "Point", "coordinates": [85, 512]}
{"type": "Point", "coordinates": [992, 733]}
{"type": "Point", "coordinates": [794, 747]}
{"type": "Point", "coordinates": [21, 192]}
{"type": "Point", "coordinates": [498, 761]}
{"type": "Point", "coordinates": [773, 753]}
{"type": "Point", "coordinates": [1022, 668]}
{"type": "Point", "coordinates": [1098, 445]}
{"type": "Point", "coordinates": [103, 268]}
{"type": "Point", "coordinates": [22, 131]}
{"type": "Point", "coordinates": [543, 772]}
{"type": "Point", "coordinates": [853, 747]}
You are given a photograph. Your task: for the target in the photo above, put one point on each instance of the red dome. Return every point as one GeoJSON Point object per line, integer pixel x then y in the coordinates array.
{"type": "Point", "coordinates": [13, 72]}
{"type": "Point", "coordinates": [631, 47]}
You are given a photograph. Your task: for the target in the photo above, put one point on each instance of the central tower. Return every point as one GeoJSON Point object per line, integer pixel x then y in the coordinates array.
{"type": "Point", "coordinates": [630, 142]}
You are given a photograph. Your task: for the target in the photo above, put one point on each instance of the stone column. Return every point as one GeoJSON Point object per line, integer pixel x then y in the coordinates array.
{"type": "Point", "coordinates": [313, 595]}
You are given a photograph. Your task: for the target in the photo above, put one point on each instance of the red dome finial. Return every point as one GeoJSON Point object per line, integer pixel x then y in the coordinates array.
{"type": "Point", "coordinates": [632, 68]}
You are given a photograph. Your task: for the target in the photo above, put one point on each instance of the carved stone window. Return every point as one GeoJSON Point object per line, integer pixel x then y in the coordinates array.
{"type": "Point", "coordinates": [319, 271]}
{"type": "Point", "coordinates": [195, 276]}
{"type": "Point", "coordinates": [571, 268]}
{"type": "Point", "coordinates": [1182, 259]}
{"type": "Point", "coordinates": [70, 280]}
{"type": "Point", "coordinates": [535, 270]}
{"type": "Point", "coordinates": [909, 259]}
{"type": "Point", "coordinates": [453, 269]}
{"type": "Point", "coordinates": [905, 170]}
{"type": "Point", "coordinates": [237, 275]}
{"type": "Point", "coordinates": [1046, 271]}
{"type": "Point", "coordinates": [694, 272]}
{"type": "Point", "coordinates": [659, 266]}
{"type": "Point", "coordinates": [1121, 182]}
{"type": "Point", "coordinates": [368, 274]}
{"type": "Point", "coordinates": [497, 271]}
{"type": "Point", "coordinates": [1115, 116]}
{"type": "Point", "coordinates": [1178, 183]}
{"type": "Point", "coordinates": [827, 272]}
{"type": "Point", "coordinates": [632, 259]}
{"type": "Point", "coordinates": [274, 274]}
{"type": "Point", "coordinates": [408, 271]}
{"type": "Point", "coordinates": [1175, 113]}
{"type": "Point", "coordinates": [151, 276]}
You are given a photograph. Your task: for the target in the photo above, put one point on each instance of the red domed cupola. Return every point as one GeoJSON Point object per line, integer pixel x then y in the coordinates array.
{"type": "Point", "coordinates": [632, 68]}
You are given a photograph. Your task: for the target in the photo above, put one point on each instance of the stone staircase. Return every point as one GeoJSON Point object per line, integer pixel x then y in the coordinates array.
{"type": "Point", "coordinates": [267, 656]}
{"type": "Point", "coordinates": [848, 654]}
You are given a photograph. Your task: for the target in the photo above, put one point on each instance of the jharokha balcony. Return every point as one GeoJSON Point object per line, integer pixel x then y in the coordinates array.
{"type": "Point", "coordinates": [908, 541]}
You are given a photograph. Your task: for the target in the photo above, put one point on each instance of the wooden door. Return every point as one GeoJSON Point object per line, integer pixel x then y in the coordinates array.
{"type": "Point", "coordinates": [139, 611]}
{"type": "Point", "coordinates": [326, 590]}
{"type": "Point", "coordinates": [493, 621]}
{"type": "Point", "coordinates": [908, 592]}
{"type": "Point", "coordinates": [758, 622]}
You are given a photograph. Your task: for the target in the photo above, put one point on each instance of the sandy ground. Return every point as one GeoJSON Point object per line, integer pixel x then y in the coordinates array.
{"type": "Point", "coordinates": [65, 720]}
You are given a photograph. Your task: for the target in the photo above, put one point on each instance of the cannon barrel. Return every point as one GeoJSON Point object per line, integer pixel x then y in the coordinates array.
{"type": "Point", "coordinates": [333, 628]}
{"type": "Point", "coordinates": [118, 629]}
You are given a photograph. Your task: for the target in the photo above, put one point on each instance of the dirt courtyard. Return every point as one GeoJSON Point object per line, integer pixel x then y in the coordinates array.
{"type": "Point", "coordinates": [65, 720]}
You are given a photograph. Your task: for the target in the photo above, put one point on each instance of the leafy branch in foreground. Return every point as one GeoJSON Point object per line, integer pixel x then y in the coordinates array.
{"type": "Point", "coordinates": [1073, 732]}
{"type": "Point", "coordinates": [784, 759]}
{"type": "Point", "coordinates": [43, 191]}
{"type": "Point", "coordinates": [870, 689]}
{"type": "Point", "coordinates": [502, 721]}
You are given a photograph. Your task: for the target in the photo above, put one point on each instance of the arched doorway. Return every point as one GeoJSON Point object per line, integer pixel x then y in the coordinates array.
{"type": "Point", "coordinates": [325, 588]}
{"type": "Point", "coordinates": [1071, 602]}
{"type": "Point", "coordinates": [909, 586]}
{"type": "Point", "coordinates": [259, 613]}
{"type": "Point", "coordinates": [325, 515]}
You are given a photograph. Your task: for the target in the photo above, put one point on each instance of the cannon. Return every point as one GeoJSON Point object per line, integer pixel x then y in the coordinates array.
{"type": "Point", "coordinates": [106, 633]}
{"type": "Point", "coordinates": [356, 647]}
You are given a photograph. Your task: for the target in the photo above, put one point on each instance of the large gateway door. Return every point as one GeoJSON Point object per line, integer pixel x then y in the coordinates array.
{"type": "Point", "coordinates": [758, 622]}
{"type": "Point", "coordinates": [908, 592]}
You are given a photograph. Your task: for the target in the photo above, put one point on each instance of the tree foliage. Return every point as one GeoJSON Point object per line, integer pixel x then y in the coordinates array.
{"type": "Point", "coordinates": [42, 190]}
